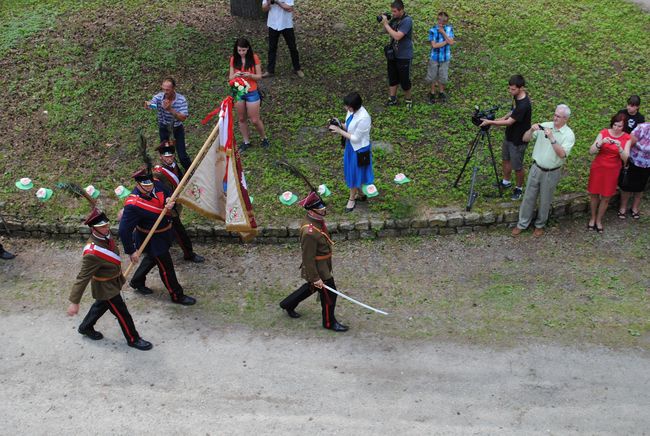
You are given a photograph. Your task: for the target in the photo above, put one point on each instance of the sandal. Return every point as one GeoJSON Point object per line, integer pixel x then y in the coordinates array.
{"type": "Point", "coordinates": [621, 215]}
{"type": "Point", "coordinates": [636, 215]}
{"type": "Point", "coordinates": [599, 229]}
{"type": "Point", "coordinates": [591, 227]}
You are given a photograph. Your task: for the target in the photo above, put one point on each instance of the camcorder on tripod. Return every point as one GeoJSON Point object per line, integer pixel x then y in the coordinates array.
{"type": "Point", "coordinates": [482, 137]}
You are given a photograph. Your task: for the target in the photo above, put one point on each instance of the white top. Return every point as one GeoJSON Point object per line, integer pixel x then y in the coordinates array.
{"type": "Point", "coordinates": [279, 19]}
{"type": "Point", "coordinates": [359, 128]}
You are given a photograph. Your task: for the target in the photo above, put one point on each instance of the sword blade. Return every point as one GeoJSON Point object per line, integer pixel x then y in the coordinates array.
{"type": "Point", "coordinates": [353, 300]}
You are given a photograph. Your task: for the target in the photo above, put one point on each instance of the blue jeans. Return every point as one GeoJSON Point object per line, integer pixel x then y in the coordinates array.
{"type": "Point", "coordinates": [179, 135]}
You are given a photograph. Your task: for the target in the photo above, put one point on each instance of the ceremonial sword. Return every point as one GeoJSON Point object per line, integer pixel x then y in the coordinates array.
{"type": "Point", "coordinates": [353, 300]}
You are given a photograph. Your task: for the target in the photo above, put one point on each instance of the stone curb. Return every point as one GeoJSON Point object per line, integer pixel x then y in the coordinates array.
{"type": "Point", "coordinates": [439, 223]}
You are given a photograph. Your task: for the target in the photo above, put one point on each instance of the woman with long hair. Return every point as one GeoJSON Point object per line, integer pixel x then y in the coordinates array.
{"type": "Point", "coordinates": [246, 64]}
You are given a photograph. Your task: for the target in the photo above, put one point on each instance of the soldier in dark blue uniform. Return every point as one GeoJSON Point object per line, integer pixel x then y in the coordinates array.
{"type": "Point", "coordinates": [141, 210]}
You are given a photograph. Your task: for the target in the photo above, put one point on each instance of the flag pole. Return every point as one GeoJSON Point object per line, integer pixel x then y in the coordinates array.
{"type": "Point", "coordinates": [181, 185]}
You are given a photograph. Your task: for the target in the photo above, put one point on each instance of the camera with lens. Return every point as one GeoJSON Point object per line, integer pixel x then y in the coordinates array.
{"type": "Point", "coordinates": [484, 114]}
{"type": "Point", "coordinates": [381, 17]}
{"type": "Point", "coordinates": [334, 122]}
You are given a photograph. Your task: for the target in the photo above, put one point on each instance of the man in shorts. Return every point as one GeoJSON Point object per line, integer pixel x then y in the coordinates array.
{"type": "Point", "coordinates": [441, 37]}
{"type": "Point", "coordinates": [517, 122]}
{"type": "Point", "coordinates": [400, 29]}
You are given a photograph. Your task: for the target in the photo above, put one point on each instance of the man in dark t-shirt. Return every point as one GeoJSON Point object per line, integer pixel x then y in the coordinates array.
{"type": "Point", "coordinates": [517, 122]}
{"type": "Point", "coordinates": [400, 30]}
{"type": "Point", "coordinates": [634, 117]}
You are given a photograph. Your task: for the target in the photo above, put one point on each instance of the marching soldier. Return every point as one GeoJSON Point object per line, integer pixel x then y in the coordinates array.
{"type": "Point", "coordinates": [169, 174]}
{"type": "Point", "coordinates": [101, 265]}
{"type": "Point", "coordinates": [316, 266]}
{"type": "Point", "coordinates": [141, 210]}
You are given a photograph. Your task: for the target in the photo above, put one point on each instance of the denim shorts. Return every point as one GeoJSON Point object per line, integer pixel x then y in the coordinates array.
{"type": "Point", "coordinates": [251, 97]}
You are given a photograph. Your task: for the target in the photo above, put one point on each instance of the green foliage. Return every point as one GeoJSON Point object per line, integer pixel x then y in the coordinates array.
{"type": "Point", "coordinates": [91, 64]}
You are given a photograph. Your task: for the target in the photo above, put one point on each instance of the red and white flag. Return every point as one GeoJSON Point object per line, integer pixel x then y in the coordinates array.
{"type": "Point", "coordinates": [218, 189]}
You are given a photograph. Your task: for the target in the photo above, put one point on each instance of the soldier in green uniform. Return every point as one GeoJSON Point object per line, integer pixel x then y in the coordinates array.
{"type": "Point", "coordinates": [101, 265]}
{"type": "Point", "coordinates": [316, 267]}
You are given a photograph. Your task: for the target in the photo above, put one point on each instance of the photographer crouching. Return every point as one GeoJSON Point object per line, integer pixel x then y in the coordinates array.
{"type": "Point", "coordinates": [357, 158]}
{"type": "Point", "coordinates": [399, 52]}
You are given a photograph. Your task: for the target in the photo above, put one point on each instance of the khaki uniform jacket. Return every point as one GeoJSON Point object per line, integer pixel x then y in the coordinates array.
{"type": "Point", "coordinates": [316, 248]}
{"type": "Point", "coordinates": [106, 277]}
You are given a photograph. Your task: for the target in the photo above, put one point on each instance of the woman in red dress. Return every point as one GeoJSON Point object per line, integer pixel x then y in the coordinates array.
{"type": "Point", "coordinates": [605, 168]}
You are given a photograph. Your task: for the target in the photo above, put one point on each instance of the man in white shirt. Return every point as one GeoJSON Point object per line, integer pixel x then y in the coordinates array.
{"type": "Point", "coordinates": [280, 22]}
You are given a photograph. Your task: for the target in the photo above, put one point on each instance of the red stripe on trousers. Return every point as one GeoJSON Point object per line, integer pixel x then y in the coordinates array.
{"type": "Point", "coordinates": [121, 320]}
{"type": "Point", "coordinates": [161, 267]}
{"type": "Point", "coordinates": [326, 295]}
{"type": "Point", "coordinates": [180, 241]}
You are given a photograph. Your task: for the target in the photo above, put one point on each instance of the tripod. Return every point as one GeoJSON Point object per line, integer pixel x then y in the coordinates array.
{"type": "Point", "coordinates": [479, 140]}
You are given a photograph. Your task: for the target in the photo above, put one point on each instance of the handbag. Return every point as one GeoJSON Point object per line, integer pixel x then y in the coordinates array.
{"type": "Point", "coordinates": [363, 158]}
{"type": "Point", "coordinates": [624, 177]}
{"type": "Point", "coordinates": [389, 51]}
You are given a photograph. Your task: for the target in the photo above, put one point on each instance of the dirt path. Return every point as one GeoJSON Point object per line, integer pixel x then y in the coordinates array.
{"type": "Point", "coordinates": [487, 334]}
{"type": "Point", "coordinates": [199, 381]}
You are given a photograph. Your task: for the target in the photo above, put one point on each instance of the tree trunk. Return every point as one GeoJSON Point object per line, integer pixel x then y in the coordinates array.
{"type": "Point", "coordinates": [246, 8]}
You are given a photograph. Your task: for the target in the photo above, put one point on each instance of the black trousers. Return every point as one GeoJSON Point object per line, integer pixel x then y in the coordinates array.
{"type": "Point", "coordinates": [290, 39]}
{"type": "Point", "coordinates": [179, 136]}
{"type": "Point", "coordinates": [118, 308]}
{"type": "Point", "coordinates": [327, 300]}
{"type": "Point", "coordinates": [399, 73]}
{"type": "Point", "coordinates": [165, 269]}
{"type": "Point", "coordinates": [182, 237]}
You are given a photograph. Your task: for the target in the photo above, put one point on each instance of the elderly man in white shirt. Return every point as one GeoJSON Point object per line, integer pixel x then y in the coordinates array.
{"type": "Point", "coordinates": [357, 158]}
{"type": "Point", "coordinates": [280, 22]}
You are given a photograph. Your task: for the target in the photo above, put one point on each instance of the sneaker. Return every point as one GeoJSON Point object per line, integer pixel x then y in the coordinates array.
{"type": "Point", "coordinates": [299, 73]}
{"type": "Point", "coordinates": [391, 102]}
{"type": "Point", "coordinates": [245, 146]}
{"type": "Point", "coordinates": [432, 98]}
{"type": "Point", "coordinates": [409, 104]}
{"type": "Point", "coordinates": [442, 97]}
{"type": "Point", "coordinates": [517, 231]}
{"type": "Point", "coordinates": [503, 185]}
{"type": "Point", "coordinates": [517, 193]}
{"type": "Point", "coordinates": [265, 143]}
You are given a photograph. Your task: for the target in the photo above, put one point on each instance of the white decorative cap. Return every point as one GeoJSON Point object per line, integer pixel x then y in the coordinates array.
{"type": "Point", "coordinates": [90, 189]}
{"type": "Point", "coordinates": [287, 195]}
{"type": "Point", "coordinates": [26, 181]}
{"type": "Point", "coordinates": [41, 193]}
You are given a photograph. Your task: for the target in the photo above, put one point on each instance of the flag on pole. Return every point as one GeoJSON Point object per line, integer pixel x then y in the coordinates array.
{"type": "Point", "coordinates": [218, 188]}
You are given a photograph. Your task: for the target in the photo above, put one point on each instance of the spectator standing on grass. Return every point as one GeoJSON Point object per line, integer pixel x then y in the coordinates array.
{"type": "Point", "coordinates": [172, 112]}
{"type": "Point", "coordinates": [517, 122]}
{"type": "Point", "coordinates": [441, 37]}
{"type": "Point", "coordinates": [605, 168]}
{"type": "Point", "coordinates": [280, 22]}
{"type": "Point", "coordinates": [553, 143]}
{"type": "Point", "coordinates": [634, 117]}
{"type": "Point", "coordinates": [357, 157]}
{"type": "Point", "coordinates": [638, 150]}
{"type": "Point", "coordinates": [246, 64]}
{"type": "Point", "coordinates": [400, 29]}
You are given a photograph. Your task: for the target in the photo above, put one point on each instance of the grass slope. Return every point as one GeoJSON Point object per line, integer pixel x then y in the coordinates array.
{"type": "Point", "coordinates": [90, 65]}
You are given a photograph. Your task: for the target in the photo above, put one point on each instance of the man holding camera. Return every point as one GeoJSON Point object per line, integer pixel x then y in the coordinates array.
{"type": "Point", "coordinates": [517, 122]}
{"type": "Point", "coordinates": [172, 111]}
{"type": "Point", "coordinates": [553, 143]}
{"type": "Point", "coordinates": [280, 22]}
{"type": "Point", "coordinates": [399, 52]}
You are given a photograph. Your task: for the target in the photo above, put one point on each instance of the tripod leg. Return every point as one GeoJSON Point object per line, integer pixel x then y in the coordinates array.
{"type": "Point", "coordinates": [494, 164]}
{"type": "Point", "coordinates": [472, 193]}
{"type": "Point", "coordinates": [470, 153]}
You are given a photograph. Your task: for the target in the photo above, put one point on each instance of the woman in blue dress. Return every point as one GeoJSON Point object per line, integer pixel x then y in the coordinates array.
{"type": "Point", "coordinates": [357, 158]}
